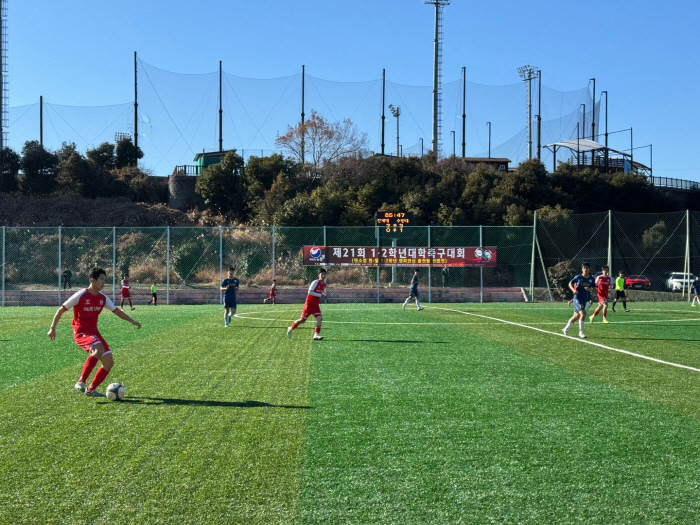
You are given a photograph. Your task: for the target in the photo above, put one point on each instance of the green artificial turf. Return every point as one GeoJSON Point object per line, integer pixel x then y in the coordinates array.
{"type": "Point", "coordinates": [448, 415]}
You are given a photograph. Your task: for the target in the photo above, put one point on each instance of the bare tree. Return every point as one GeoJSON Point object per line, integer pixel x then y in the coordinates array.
{"type": "Point", "coordinates": [320, 140]}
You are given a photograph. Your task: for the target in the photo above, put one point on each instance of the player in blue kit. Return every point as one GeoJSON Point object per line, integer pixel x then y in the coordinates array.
{"type": "Point", "coordinates": [581, 285]}
{"type": "Point", "coordinates": [695, 286]}
{"type": "Point", "coordinates": [229, 287]}
{"type": "Point", "coordinates": [413, 291]}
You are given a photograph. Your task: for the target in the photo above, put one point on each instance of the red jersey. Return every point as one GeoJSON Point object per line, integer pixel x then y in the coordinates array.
{"type": "Point", "coordinates": [316, 291]}
{"type": "Point", "coordinates": [86, 309]}
{"type": "Point", "coordinates": [125, 288]}
{"type": "Point", "coordinates": [603, 282]}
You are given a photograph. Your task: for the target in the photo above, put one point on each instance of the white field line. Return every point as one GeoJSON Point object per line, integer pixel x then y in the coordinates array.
{"type": "Point", "coordinates": [586, 341]}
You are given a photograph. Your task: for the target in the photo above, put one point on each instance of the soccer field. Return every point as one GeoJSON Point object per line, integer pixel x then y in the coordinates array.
{"type": "Point", "coordinates": [461, 413]}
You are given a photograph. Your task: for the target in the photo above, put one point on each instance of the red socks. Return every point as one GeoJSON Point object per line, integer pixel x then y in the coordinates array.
{"type": "Point", "coordinates": [90, 363]}
{"type": "Point", "coordinates": [99, 377]}
{"type": "Point", "coordinates": [317, 330]}
{"type": "Point", "coordinates": [294, 325]}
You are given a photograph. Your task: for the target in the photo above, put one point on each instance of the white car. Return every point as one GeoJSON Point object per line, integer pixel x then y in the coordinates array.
{"type": "Point", "coordinates": [676, 279]}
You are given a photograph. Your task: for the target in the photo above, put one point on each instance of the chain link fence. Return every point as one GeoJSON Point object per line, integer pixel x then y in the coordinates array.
{"type": "Point", "coordinates": [658, 252]}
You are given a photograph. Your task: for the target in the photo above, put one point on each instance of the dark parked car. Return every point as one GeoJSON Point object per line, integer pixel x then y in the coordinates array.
{"type": "Point", "coordinates": [639, 282]}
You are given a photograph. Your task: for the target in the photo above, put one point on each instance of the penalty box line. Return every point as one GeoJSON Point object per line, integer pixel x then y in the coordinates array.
{"type": "Point", "coordinates": [559, 334]}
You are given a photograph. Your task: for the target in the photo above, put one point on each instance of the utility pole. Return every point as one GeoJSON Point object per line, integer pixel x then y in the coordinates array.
{"type": "Point", "coordinates": [489, 125]}
{"type": "Point", "coordinates": [383, 103]}
{"type": "Point", "coordinates": [221, 113]}
{"type": "Point", "coordinates": [526, 73]}
{"type": "Point", "coordinates": [464, 111]}
{"type": "Point", "coordinates": [593, 116]}
{"type": "Point", "coordinates": [136, 103]}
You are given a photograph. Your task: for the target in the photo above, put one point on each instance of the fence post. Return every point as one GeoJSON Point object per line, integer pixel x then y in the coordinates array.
{"type": "Point", "coordinates": [610, 266]}
{"type": "Point", "coordinates": [687, 251]}
{"type": "Point", "coordinates": [273, 252]}
{"type": "Point", "coordinates": [114, 263]}
{"type": "Point", "coordinates": [430, 270]}
{"type": "Point", "coordinates": [221, 261]}
{"type": "Point", "coordinates": [379, 258]}
{"type": "Point", "coordinates": [3, 265]}
{"type": "Point", "coordinates": [481, 268]}
{"type": "Point", "coordinates": [167, 269]}
{"type": "Point", "coordinates": [59, 266]}
{"type": "Point", "coordinates": [532, 262]}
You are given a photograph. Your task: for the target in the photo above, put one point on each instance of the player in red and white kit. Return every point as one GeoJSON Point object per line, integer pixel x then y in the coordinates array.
{"type": "Point", "coordinates": [126, 294]}
{"type": "Point", "coordinates": [273, 292]}
{"type": "Point", "coordinates": [603, 282]}
{"type": "Point", "coordinates": [312, 306]}
{"type": "Point", "coordinates": [87, 305]}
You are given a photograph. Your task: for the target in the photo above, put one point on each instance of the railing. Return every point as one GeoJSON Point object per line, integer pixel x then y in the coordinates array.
{"type": "Point", "coordinates": [187, 170]}
{"type": "Point", "coordinates": [667, 182]}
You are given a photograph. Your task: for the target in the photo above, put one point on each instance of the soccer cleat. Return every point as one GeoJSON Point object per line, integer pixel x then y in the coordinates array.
{"type": "Point", "coordinates": [317, 337]}
{"type": "Point", "coordinates": [605, 321]}
{"type": "Point", "coordinates": [133, 308]}
{"type": "Point", "coordinates": [289, 332]}
{"type": "Point", "coordinates": [80, 386]}
{"type": "Point", "coordinates": [582, 335]}
{"type": "Point", "coordinates": [420, 308]}
{"type": "Point", "coordinates": [404, 306]}
{"type": "Point", "coordinates": [93, 393]}
{"type": "Point", "coordinates": [591, 319]}
{"type": "Point", "coordinates": [626, 310]}
{"type": "Point", "coordinates": [564, 331]}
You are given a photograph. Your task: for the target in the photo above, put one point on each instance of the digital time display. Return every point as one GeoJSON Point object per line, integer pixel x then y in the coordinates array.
{"type": "Point", "coordinates": [393, 221]}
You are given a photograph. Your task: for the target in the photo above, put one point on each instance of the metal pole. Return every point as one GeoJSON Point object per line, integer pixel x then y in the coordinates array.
{"type": "Point", "coordinates": [532, 263]}
{"type": "Point", "coordinates": [631, 151]}
{"type": "Point", "coordinates": [529, 116]}
{"type": "Point", "coordinates": [454, 153]}
{"type": "Point", "coordinates": [489, 125]}
{"type": "Point", "coordinates": [539, 114]}
{"type": "Point", "coordinates": [114, 263]}
{"type": "Point", "coordinates": [167, 269]}
{"type": "Point", "coordinates": [481, 268]}
{"type": "Point", "coordinates": [136, 104]}
{"type": "Point", "coordinates": [303, 131]}
{"type": "Point", "coordinates": [273, 252]}
{"type": "Point", "coordinates": [593, 116]}
{"type": "Point", "coordinates": [41, 120]}
{"type": "Point", "coordinates": [383, 104]}
{"type": "Point", "coordinates": [376, 233]}
{"type": "Point", "coordinates": [544, 269]}
{"type": "Point", "coordinates": [221, 262]}
{"type": "Point", "coordinates": [436, 58]}
{"type": "Point", "coordinates": [464, 111]}
{"type": "Point", "coordinates": [421, 146]}
{"type": "Point", "coordinates": [59, 266]}
{"type": "Point", "coordinates": [430, 270]}
{"type": "Point", "coordinates": [221, 115]}
{"type": "Point", "coordinates": [687, 250]}
{"type": "Point", "coordinates": [324, 237]}
{"type": "Point", "coordinates": [610, 266]}
{"type": "Point", "coordinates": [3, 265]}
{"type": "Point", "coordinates": [606, 129]}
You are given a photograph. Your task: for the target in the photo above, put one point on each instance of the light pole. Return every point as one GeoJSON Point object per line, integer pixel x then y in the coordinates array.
{"type": "Point", "coordinates": [453, 143]}
{"type": "Point", "coordinates": [583, 130]}
{"type": "Point", "coordinates": [593, 115]}
{"type": "Point", "coordinates": [527, 74]}
{"type": "Point", "coordinates": [396, 111]}
{"type": "Point", "coordinates": [421, 146]}
{"type": "Point", "coordinates": [489, 125]}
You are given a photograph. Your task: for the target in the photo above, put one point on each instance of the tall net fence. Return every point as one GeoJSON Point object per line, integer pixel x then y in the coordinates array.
{"type": "Point", "coordinates": [178, 116]}
{"type": "Point", "coordinates": [658, 254]}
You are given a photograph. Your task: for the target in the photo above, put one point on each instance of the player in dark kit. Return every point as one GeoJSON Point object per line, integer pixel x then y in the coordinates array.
{"type": "Point", "coordinates": [581, 285]}
{"type": "Point", "coordinates": [87, 305]}
{"type": "Point", "coordinates": [696, 290]}
{"type": "Point", "coordinates": [229, 287]}
{"type": "Point", "coordinates": [312, 306]}
{"type": "Point", "coordinates": [413, 291]}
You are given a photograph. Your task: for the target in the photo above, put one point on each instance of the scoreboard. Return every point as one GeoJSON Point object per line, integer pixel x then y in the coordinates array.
{"type": "Point", "coordinates": [394, 221]}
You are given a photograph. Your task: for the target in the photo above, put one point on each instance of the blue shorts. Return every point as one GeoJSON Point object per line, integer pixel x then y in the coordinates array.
{"type": "Point", "coordinates": [578, 307]}
{"type": "Point", "coordinates": [413, 292]}
{"type": "Point", "coordinates": [229, 302]}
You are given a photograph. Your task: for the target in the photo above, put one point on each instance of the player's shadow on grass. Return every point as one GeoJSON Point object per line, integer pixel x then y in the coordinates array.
{"type": "Point", "coordinates": [205, 403]}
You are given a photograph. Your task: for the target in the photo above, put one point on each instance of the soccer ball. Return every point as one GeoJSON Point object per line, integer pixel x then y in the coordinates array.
{"type": "Point", "coordinates": [115, 392]}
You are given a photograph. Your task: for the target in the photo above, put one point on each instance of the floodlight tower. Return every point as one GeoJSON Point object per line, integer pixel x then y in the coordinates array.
{"type": "Point", "coordinates": [527, 73]}
{"type": "Point", "coordinates": [396, 111]}
{"type": "Point", "coordinates": [437, 72]}
{"type": "Point", "coordinates": [4, 95]}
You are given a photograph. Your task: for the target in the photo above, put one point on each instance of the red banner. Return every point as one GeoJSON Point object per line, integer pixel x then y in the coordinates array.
{"type": "Point", "coordinates": [399, 256]}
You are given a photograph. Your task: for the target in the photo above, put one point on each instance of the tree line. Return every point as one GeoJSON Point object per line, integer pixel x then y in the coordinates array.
{"type": "Point", "coordinates": [109, 170]}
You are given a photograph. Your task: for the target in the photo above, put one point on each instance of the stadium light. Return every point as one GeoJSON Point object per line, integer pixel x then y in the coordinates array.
{"type": "Point", "coordinates": [396, 111]}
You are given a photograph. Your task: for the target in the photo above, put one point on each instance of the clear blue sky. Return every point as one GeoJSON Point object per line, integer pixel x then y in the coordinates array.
{"type": "Point", "coordinates": [643, 53]}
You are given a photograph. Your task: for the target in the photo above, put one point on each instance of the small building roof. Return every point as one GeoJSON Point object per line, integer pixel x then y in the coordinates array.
{"type": "Point", "coordinates": [211, 154]}
{"type": "Point", "coordinates": [485, 159]}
